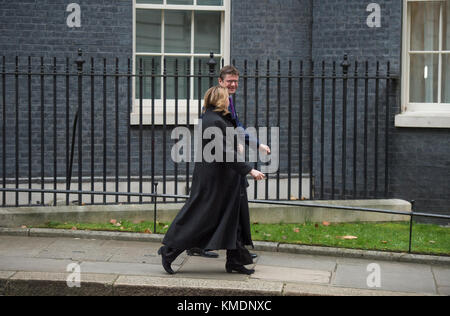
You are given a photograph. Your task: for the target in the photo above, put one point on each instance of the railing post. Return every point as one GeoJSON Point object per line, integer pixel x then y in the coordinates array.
{"type": "Point", "coordinates": [79, 63]}
{"type": "Point", "coordinates": [411, 224]}
{"type": "Point", "coordinates": [155, 201]}
{"type": "Point", "coordinates": [345, 65]}
{"type": "Point", "coordinates": [212, 69]}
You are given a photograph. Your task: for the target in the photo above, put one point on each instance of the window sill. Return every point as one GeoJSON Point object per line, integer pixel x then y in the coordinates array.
{"type": "Point", "coordinates": [170, 113]}
{"type": "Point", "coordinates": [423, 119]}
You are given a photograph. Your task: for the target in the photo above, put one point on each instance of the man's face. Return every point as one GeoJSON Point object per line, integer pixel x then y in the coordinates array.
{"type": "Point", "coordinates": [231, 82]}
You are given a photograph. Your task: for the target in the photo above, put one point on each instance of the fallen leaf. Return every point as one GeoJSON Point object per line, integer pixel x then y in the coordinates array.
{"type": "Point", "coordinates": [74, 228]}
{"type": "Point", "coordinates": [326, 223]}
{"type": "Point", "coordinates": [267, 235]}
{"type": "Point", "coordinates": [296, 230]}
{"type": "Point", "coordinates": [23, 226]}
{"type": "Point", "coordinates": [118, 224]}
{"type": "Point", "coordinates": [113, 221]}
{"type": "Point", "coordinates": [148, 231]}
{"type": "Point", "coordinates": [294, 198]}
{"type": "Point", "coordinates": [384, 242]}
{"type": "Point", "coordinates": [347, 237]}
{"type": "Point", "coordinates": [316, 225]}
{"type": "Point", "coordinates": [165, 227]}
{"type": "Point", "coordinates": [432, 242]}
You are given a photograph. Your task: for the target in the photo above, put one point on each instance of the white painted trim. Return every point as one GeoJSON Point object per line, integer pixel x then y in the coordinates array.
{"type": "Point", "coordinates": [170, 112]}
{"type": "Point", "coordinates": [431, 115]}
{"type": "Point", "coordinates": [227, 33]}
{"type": "Point", "coordinates": [181, 7]}
{"type": "Point", "coordinates": [423, 119]}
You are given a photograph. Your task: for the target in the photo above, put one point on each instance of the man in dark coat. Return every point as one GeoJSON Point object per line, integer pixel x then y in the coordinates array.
{"type": "Point", "coordinates": [216, 215]}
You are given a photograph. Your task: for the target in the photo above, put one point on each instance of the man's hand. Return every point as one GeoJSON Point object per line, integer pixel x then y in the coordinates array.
{"type": "Point", "coordinates": [257, 175]}
{"type": "Point", "coordinates": [264, 149]}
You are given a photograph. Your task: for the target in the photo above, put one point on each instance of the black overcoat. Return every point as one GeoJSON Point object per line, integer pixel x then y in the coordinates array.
{"type": "Point", "coordinates": [217, 209]}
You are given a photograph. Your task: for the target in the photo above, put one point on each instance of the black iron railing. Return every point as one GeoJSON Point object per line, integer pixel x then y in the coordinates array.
{"type": "Point", "coordinates": [71, 122]}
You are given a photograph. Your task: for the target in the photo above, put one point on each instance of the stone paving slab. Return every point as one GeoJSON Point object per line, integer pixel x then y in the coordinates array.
{"type": "Point", "coordinates": [272, 273]}
{"type": "Point", "coordinates": [33, 264]}
{"type": "Point", "coordinates": [297, 261]}
{"type": "Point", "coordinates": [23, 246]}
{"type": "Point", "coordinates": [77, 250]}
{"type": "Point", "coordinates": [171, 286]}
{"type": "Point", "coordinates": [204, 268]}
{"type": "Point", "coordinates": [293, 289]}
{"type": "Point", "coordinates": [393, 277]}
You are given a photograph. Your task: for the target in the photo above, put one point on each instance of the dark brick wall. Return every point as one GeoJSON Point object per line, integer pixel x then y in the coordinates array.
{"type": "Point", "coordinates": [38, 28]}
{"type": "Point", "coordinates": [271, 29]}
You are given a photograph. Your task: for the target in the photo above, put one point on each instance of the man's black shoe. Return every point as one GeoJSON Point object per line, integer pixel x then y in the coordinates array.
{"type": "Point", "coordinates": [202, 253]}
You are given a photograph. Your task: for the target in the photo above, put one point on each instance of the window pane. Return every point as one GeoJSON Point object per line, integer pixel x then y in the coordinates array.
{"type": "Point", "coordinates": [177, 31]}
{"type": "Point", "coordinates": [171, 82]}
{"type": "Point", "coordinates": [446, 23]}
{"type": "Point", "coordinates": [207, 32]}
{"type": "Point", "coordinates": [446, 78]}
{"type": "Point", "coordinates": [425, 26]}
{"type": "Point", "coordinates": [210, 2]}
{"type": "Point", "coordinates": [188, 2]}
{"type": "Point", "coordinates": [148, 31]}
{"type": "Point", "coordinates": [147, 81]}
{"type": "Point", "coordinates": [204, 75]}
{"type": "Point", "coordinates": [424, 78]}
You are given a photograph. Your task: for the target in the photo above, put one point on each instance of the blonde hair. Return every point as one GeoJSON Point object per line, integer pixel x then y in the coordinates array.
{"type": "Point", "coordinates": [217, 97]}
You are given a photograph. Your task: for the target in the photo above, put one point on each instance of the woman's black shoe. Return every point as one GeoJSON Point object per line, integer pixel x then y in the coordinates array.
{"type": "Point", "coordinates": [202, 253]}
{"type": "Point", "coordinates": [239, 269]}
{"type": "Point", "coordinates": [165, 263]}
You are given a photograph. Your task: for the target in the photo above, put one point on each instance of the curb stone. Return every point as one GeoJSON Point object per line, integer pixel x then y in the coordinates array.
{"type": "Point", "coordinates": [259, 245]}
{"type": "Point", "coordinates": [54, 284]}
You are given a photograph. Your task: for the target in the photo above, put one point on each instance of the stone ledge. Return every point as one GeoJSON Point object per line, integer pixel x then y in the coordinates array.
{"type": "Point", "coordinates": [262, 213]}
{"type": "Point", "coordinates": [54, 284]}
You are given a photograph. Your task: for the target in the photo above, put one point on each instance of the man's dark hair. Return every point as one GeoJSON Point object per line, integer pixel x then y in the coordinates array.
{"type": "Point", "coordinates": [228, 70]}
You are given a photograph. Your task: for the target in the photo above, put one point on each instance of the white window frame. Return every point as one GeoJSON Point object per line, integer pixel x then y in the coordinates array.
{"type": "Point", "coordinates": [182, 103]}
{"type": "Point", "coordinates": [427, 115]}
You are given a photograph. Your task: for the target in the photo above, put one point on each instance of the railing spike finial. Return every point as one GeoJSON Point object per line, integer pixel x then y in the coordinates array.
{"type": "Point", "coordinates": [80, 61]}
{"type": "Point", "coordinates": [345, 65]}
{"type": "Point", "coordinates": [212, 66]}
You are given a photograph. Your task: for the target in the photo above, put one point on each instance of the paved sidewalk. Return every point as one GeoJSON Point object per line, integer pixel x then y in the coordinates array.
{"type": "Point", "coordinates": [38, 266]}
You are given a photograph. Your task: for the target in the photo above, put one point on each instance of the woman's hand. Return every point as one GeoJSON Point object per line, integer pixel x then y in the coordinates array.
{"type": "Point", "coordinates": [264, 149]}
{"type": "Point", "coordinates": [257, 175]}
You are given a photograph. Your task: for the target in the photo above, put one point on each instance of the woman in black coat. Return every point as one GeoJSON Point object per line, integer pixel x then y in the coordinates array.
{"type": "Point", "coordinates": [216, 215]}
